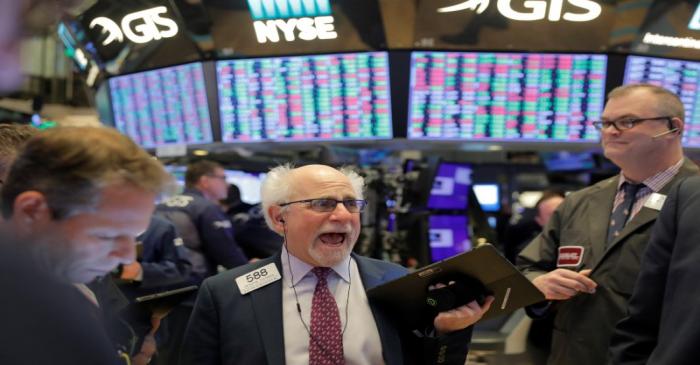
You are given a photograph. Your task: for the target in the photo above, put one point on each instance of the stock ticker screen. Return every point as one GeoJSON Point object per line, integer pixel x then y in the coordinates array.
{"type": "Point", "coordinates": [162, 106]}
{"type": "Point", "coordinates": [680, 77]}
{"type": "Point", "coordinates": [320, 97]}
{"type": "Point", "coordinates": [506, 96]}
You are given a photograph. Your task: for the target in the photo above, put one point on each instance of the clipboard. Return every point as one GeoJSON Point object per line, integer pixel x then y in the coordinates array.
{"type": "Point", "coordinates": [405, 297]}
{"type": "Point", "coordinates": [163, 301]}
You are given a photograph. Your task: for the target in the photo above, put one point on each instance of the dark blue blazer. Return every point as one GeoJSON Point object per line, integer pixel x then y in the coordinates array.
{"type": "Point", "coordinates": [229, 328]}
{"type": "Point", "coordinates": [663, 318]}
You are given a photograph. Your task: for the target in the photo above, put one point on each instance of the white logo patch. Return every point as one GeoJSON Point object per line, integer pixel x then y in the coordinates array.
{"type": "Point", "coordinates": [179, 201]}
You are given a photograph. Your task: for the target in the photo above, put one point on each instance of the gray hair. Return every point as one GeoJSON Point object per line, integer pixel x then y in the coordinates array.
{"type": "Point", "coordinates": [277, 188]}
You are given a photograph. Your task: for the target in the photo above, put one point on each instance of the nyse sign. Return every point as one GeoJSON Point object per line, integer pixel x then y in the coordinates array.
{"type": "Point", "coordinates": [290, 20]}
{"type": "Point", "coordinates": [139, 27]}
{"type": "Point", "coordinates": [537, 9]}
{"type": "Point", "coordinates": [308, 29]}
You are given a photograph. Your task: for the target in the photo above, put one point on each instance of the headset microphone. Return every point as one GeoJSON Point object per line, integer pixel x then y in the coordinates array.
{"type": "Point", "coordinates": [296, 295]}
{"type": "Point", "coordinates": [664, 133]}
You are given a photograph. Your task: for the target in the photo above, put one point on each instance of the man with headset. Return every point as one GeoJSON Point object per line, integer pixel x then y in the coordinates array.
{"type": "Point", "coordinates": [205, 230]}
{"type": "Point", "coordinates": [587, 258]}
{"type": "Point", "coordinates": [307, 304]}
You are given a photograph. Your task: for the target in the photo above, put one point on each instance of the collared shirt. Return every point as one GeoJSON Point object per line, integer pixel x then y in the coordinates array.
{"type": "Point", "coordinates": [361, 342]}
{"type": "Point", "coordinates": [652, 184]}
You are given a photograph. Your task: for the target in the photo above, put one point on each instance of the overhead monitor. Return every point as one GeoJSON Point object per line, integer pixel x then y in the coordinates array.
{"type": "Point", "coordinates": [488, 196]}
{"type": "Point", "coordinates": [163, 106]}
{"type": "Point", "coordinates": [506, 96]}
{"type": "Point", "coordinates": [322, 97]}
{"type": "Point", "coordinates": [448, 235]}
{"type": "Point", "coordinates": [450, 187]}
{"type": "Point", "coordinates": [680, 77]}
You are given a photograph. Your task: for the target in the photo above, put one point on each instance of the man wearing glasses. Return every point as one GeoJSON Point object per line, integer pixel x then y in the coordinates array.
{"type": "Point", "coordinates": [206, 231]}
{"type": "Point", "coordinates": [587, 258]}
{"type": "Point", "coordinates": [307, 304]}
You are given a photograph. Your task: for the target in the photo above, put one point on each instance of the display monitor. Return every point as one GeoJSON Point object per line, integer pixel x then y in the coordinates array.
{"type": "Point", "coordinates": [528, 199]}
{"type": "Point", "coordinates": [680, 77]}
{"type": "Point", "coordinates": [450, 186]}
{"type": "Point", "coordinates": [488, 197]}
{"type": "Point", "coordinates": [448, 235]}
{"type": "Point", "coordinates": [76, 44]}
{"type": "Point", "coordinates": [164, 106]}
{"type": "Point", "coordinates": [506, 96]}
{"type": "Point", "coordinates": [320, 97]}
{"type": "Point", "coordinates": [248, 183]}
{"type": "Point", "coordinates": [178, 173]}
{"type": "Point", "coordinates": [568, 161]}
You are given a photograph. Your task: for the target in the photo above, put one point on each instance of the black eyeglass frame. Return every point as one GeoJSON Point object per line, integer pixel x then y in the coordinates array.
{"type": "Point", "coordinates": [214, 176]}
{"type": "Point", "coordinates": [360, 204]}
{"type": "Point", "coordinates": [629, 123]}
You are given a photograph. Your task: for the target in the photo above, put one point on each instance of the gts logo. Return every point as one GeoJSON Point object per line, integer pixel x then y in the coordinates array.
{"type": "Point", "coordinates": [538, 9]}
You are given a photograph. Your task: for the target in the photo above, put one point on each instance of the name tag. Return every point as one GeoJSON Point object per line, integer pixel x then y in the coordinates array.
{"type": "Point", "coordinates": [258, 278]}
{"type": "Point", "coordinates": [655, 201]}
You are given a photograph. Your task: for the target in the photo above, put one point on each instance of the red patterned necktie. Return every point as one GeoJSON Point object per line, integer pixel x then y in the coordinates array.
{"type": "Point", "coordinates": [326, 340]}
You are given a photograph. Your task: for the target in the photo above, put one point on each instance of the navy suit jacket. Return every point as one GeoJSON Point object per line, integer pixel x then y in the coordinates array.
{"type": "Point", "coordinates": [229, 328]}
{"type": "Point", "coordinates": [663, 318]}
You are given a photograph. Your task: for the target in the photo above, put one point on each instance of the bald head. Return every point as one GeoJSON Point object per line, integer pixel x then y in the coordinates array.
{"type": "Point", "coordinates": [285, 183]}
{"type": "Point", "coordinates": [300, 179]}
{"type": "Point", "coordinates": [663, 100]}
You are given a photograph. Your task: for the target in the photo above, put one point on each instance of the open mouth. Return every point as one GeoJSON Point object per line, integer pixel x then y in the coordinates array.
{"type": "Point", "coordinates": [332, 238]}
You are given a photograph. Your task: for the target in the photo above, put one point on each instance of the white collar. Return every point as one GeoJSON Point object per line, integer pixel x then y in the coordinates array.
{"type": "Point", "coordinates": [300, 268]}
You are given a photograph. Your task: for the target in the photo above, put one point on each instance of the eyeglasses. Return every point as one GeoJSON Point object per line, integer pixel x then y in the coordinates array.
{"type": "Point", "coordinates": [326, 205]}
{"type": "Point", "coordinates": [222, 177]}
{"type": "Point", "coordinates": [625, 123]}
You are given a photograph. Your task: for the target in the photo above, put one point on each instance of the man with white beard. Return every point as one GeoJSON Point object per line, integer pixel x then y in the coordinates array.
{"type": "Point", "coordinates": [307, 304]}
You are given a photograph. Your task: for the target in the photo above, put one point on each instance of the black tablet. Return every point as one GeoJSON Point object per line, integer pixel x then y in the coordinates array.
{"type": "Point", "coordinates": [167, 299]}
{"type": "Point", "coordinates": [407, 298]}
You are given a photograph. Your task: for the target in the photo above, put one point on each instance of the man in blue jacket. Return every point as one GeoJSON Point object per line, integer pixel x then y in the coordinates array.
{"type": "Point", "coordinates": [206, 231]}
{"type": "Point", "coordinates": [307, 304]}
{"type": "Point", "coordinates": [661, 326]}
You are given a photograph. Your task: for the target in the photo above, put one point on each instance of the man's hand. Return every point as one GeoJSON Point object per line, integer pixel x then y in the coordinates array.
{"type": "Point", "coordinates": [562, 284]}
{"type": "Point", "coordinates": [131, 271]}
{"type": "Point", "coordinates": [148, 349]}
{"type": "Point", "coordinates": [461, 317]}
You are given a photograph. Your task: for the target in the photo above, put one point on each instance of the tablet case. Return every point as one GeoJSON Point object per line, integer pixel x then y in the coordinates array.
{"type": "Point", "coordinates": [405, 298]}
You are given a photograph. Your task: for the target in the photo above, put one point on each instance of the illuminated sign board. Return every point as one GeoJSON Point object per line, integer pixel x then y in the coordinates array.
{"type": "Point", "coordinates": [289, 20]}
{"type": "Point", "coordinates": [537, 9]}
{"type": "Point", "coordinates": [139, 27]}
{"type": "Point", "coordinates": [695, 20]}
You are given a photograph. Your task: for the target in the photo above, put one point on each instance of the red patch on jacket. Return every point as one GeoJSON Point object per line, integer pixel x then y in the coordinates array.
{"type": "Point", "coordinates": [570, 256]}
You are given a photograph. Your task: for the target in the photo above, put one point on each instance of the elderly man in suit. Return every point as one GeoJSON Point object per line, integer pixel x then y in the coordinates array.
{"type": "Point", "coordinates": [307, 304]}
{"type": "Point", "coordinates": [661, 326]}
{"type": "Point", "coordinates": [587, 258]}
